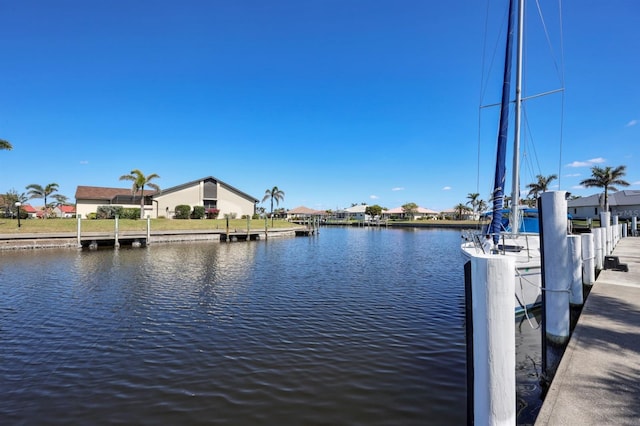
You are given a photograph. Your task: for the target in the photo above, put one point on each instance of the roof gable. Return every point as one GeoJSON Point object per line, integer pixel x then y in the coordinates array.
{"type": "Point", "coordinates": [205, 179]}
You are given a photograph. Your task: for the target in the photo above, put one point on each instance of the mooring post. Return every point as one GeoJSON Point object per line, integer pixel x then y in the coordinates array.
{"type": "Point", "coordinates": [116, 243]}
{"type": "Point", "coordinates": [266, 222]}
{"type": "Point", "coordinates": [148, 230]}
{"type": "Point", "coordinates": [227, 228]}
{"type": "Point", "coordinates": [604, 223]}
{"type": "Point", "coordinates": [588, 259]}
{"type": "Point", "coordinates": [248, 227]}
{"type": "Point", "coordinates": [597, 248]}
{"type": "Point", "coordinates": [615, 232]}
{"type": "Point", "coordinates": [79, 226]}
{"type": "Point", "coordinates": [576, 297]}
{"type": "Point", "coordinates": [634, 226]}
{"type": "Point", "coordinates": [493, 340]}
{"type": "Point", "coordinates": [555, 262]}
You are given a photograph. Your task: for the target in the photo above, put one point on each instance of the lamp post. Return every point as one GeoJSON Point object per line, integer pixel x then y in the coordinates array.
{"type": "Point", "coordinates": [18, 204]}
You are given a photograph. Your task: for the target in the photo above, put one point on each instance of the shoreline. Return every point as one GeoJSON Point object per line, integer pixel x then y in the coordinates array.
{"type": "Point", "coordinates": [70, 240]}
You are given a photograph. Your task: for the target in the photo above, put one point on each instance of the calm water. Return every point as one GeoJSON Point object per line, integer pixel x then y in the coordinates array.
{"type": "Point", "coordinates": [353, 326]}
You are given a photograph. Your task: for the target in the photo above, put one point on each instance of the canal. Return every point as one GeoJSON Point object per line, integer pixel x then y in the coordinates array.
{"type": "Point", "coordinates": [352, 326]}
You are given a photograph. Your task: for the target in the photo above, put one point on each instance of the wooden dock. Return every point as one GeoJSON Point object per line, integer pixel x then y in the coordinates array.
{"type": "Point", "coordinates": [598, 379]}
{"type": "Point", "coordinates": [142, 238]}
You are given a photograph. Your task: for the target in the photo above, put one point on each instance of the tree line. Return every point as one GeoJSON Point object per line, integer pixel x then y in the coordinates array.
{"type": "Point", "coordinates": [608, 178]}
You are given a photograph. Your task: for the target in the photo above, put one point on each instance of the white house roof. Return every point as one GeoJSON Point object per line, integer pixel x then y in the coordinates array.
{"type": "Point", "coordinates": [399, 210]}
{"type": "Point", "coordinates": [360, 208]}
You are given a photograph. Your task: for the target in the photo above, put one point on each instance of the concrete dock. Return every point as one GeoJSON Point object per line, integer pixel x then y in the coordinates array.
{"type": "Point", "coordinates": [598, 379]}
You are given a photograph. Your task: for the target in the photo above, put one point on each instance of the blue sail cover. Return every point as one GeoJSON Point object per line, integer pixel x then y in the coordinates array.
{"type": "Point", "coordinates": [499, 179]}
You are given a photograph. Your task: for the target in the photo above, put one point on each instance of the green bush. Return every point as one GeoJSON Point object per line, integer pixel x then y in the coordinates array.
{"type": "Point", "coordinates": [183, 211]}
{"type": "Point", "coordinates": [198, 212]}
{"type": "Point", "coordinates": [130, 213]}
{"type": "Point", "coordinates": [255, 216]}
{"type": "Point", "coordinates": [108, 212]}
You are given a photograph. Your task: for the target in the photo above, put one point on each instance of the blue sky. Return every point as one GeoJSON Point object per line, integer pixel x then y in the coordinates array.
{"type": "Point", "coordinates": [334, 101]}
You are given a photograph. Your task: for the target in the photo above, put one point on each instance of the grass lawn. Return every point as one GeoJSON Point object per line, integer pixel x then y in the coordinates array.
{"type": "Point", "coordinates": [10, 226]}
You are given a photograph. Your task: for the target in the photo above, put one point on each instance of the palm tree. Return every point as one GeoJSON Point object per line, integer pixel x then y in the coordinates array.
{"type": "Point", "coordinates": [139, 182]}
{"type": "Point", "coordinates": [542, 185]}
{"type": "Point", "coordinates": [37, 191]}
{"type": "Point", "coordinates": [482, 206]}
{"type": "Point", "coordinates": [273, 194]}
{"type": "Point", "coordinates": [460, 210]}
{"type": "Point", "coordinates": [61, 200]}
{"type": "Point", "coordinates": [6, 145]}
{"type": "Point", "coordinates": [606, 178]}
{"type": "Point", "coordinates": [473, 200]}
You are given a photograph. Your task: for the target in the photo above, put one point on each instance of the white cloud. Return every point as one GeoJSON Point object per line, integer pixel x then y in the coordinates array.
{"type": "Point", "coordinates": [635, 183]}
{"type": "Point", "coordinates": [577, 187]}
{"type": "Point", "coordinates": [573, 175]}
{"type": "Point", "coordinates": [84, 162]}
{"type": "Point", "coordinates": [446, 188]}
{"type": "Point", "coordinates": [373, 197]}
{"type": "Point", "coordinates": [587, 163]}
{"type": "Point", "coordinates": [398, 188]}
{"type": "Point", "coordinates": [632, 123]}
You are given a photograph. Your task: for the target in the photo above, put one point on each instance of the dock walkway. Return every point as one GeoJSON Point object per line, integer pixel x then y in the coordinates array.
{"type": "Point", "coordinates": [598, 379]}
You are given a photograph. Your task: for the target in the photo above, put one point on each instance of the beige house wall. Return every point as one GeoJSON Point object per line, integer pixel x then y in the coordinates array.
{"type": "Point", "coordinates": [231, 202]}
{"type": "Point", "coordinates": [167, 202]}
{"type": "Point", "coordinates": [228, 201]}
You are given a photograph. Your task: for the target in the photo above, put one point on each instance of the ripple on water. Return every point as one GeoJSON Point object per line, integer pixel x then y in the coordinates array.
{"type": "Point", "coordinates": [351, 327]}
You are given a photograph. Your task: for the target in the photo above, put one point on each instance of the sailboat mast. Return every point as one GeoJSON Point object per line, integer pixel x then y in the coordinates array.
{"type": "Point", "coordinates": [515, 188]}
{"type": "Point", "coordinates": [497, 197]}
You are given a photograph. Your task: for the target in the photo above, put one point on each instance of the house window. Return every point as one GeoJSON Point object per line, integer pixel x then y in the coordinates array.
{"type": "Point", "coordinates": [596, 211]}
{"type": "Point", "coordinates": [210, 204]}
{"type": "Point", "coordinates": [575, 211]}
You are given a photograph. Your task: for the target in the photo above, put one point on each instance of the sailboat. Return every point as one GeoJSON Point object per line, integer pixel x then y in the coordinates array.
{"type": "Point", "coordinates": [512, 232]}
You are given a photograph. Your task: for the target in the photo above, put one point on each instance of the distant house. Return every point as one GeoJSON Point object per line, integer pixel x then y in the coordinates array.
{"type": "Point", "coordinates": [64, 212]}
{"type": "Point", "coordinates": [624, 204]}
{"type": "Point", "coordinates": [357, 213]}
{"type": "Point", "coordinates": [302, 212]}
{"type": "Point", "coordinates": [31, 211]}
{"type": "Point", "coordinates": [399, 213]}
{"type": "Point", "coordinates": [208, 192]}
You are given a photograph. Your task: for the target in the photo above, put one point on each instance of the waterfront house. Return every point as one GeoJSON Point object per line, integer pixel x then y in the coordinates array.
{"type": "Point", "coordinates": [31, 211]}
{"type": "Point", "coordinates": [399, 213]}
{"type": "Point", "coordinates": [357, 213]}
{"type": "Point", "coordinates": [624, 204]}
{"type": "Point", "coordinates": [302, 213]}
{"type": "Point", "coordinates": [209, 192]}
{"type": "Point", "coordinates": [64, 212]}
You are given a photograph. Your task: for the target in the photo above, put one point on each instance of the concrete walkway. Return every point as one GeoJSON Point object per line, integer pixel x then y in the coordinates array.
{"type": "Point", "coordinates": [598, 379]}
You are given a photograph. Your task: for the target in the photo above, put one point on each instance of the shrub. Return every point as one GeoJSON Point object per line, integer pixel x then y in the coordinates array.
{"type": "Point", "coordinates": [198, 212]}
{"type": "Point", "coordinates": [212, 213]}
{"type": "Point", "coordinates": [108, 212]}
{"type": "Point", "coordinates": [130, 213]}
{"type": "Point", "coordinates": [92, 216]}
{"type": "Point", "coordinates": [231, 215]}
{"type": "Point", "coordinates": [183, 211]}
